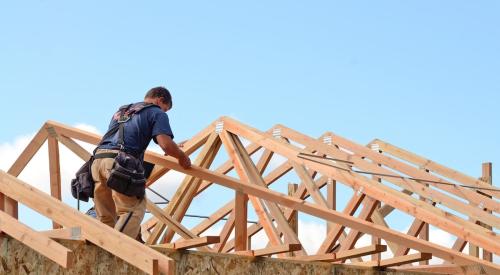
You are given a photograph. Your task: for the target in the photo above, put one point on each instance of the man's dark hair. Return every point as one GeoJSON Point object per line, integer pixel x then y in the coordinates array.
{"type": "Point", "coordinates": [159, 92]}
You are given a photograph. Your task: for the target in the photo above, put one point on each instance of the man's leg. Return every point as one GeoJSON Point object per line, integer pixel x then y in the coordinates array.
{"type": "Point", "coordinates": [103, 200]}
{"type": "Point", "coordinates": [130, 211]}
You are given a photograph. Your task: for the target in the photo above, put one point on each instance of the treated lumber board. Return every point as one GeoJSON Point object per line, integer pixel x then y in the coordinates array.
{"type": "Point", "coordinates": [74, 147]}
{"type": "Point", "coordinates": [55, 172]}
{"type": "Point", "coordinates": [331, 200]}
{"type": "Point", "coordinates": [166, 219]}
{"type": "Point", "coordinates": [36, 241]}
{"type": "Point", "coordinates": [359, 252]}
{"type": "Point", "coordinates": [205, 160]}
{"type": "Point", "coordinates": [240, 222]}
{"type": "Point", "coordinates": [343, 255]}
{"type": "Point", "coordinates": [401, 260]}
{"type": "Point", "coordinates": [248, 172]}
{"type": "Point", "coordinates": [412, 171]}
{"type": "Point", "coordinates": [372, 188]}
{"type": "Point", "coordinates": [226, 231]}
{"type": "Point", "coordinates": [311, 187]}
{"type": "Point", "coordinates": [94, 231]}
{"type": "Point", "coordinates": [336, 231]}
{"type": "Point", "coordinates": [353, 236]}
{"type": "Point", "coordinates": [271, 250]}
{"type": "Point", "coordinates": [443, 269]}
{"type": "Point", "coordinates": [239, 164]}
{"type": "Point", "coordinates": [185, 193]}
{"type": "Point", "coordinates": [7, 204]}
{"type": "Point", "coordinates": [189, 243]}
{"type": "Point", "coordinates": [433, 166]}
{"type": "Point", "coordinates": [69, 233]}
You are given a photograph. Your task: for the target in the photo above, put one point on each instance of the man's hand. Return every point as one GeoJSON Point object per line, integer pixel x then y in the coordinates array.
{"type": "Point", "coordinates": [185, 162]}
{"type": "Point", "coordinates": [171, 148]}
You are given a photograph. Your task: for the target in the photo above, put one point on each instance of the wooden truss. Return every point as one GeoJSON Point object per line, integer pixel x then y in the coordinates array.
{"type": "Point", "coordinates": [383, 177]}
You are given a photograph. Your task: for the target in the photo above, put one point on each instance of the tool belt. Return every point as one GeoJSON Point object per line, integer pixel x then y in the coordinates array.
{"type": "Point", "coordinates": [127, 175]}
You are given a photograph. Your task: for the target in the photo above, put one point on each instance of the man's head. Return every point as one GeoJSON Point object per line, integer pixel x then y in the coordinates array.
{"type": "Point", "coordinates": [159, 96]}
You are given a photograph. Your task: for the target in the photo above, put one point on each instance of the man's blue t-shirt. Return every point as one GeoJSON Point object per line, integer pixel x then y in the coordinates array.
{"type": "Point", "coordinates": [139, 130]}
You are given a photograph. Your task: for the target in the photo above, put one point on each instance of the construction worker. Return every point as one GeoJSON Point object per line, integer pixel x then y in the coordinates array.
{"type": "Point", "coordinates": [143, 121]}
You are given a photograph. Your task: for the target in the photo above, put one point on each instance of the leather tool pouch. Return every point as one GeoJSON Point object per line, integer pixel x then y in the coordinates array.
{"type": "Point", "coordinates": [82, 187]}
{"type": "Point", "coordinates": [127, 176]}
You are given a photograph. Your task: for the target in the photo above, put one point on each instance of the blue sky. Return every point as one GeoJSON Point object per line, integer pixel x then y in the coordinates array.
{"type": "Point", "coordinates": [422, 75]}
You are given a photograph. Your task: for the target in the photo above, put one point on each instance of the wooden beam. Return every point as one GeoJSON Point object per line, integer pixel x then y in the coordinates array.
{"type": "Point", "coordinates": [412, 171]}
{"type": "Point", "coordinates": [271, 250]}
{"type": "Point", "coordinates": [443, 269]}
{"type": "Point", "coordinates": [69, 233]}
{"type": "Point", "coordinates": [343, 255]}
{"type": "Point", "coordinates": [7, 204]}
{"type": "Point", "coordinates": [165, 219]}
{"type": "Point", "coordinates": [248, 172]}
{"type": "Point", "coordinates": [55, 172]}
{"type": "Point", "coordinates": [36, 241]}
{"type": "Point", "coordinates": [189, 243]}
{"type": "Point", "coordinates": [294, 219]}
{"type": "Point", "coordinates": [240, 225]}
{"type": "Point", "coordinates": [350, 241]}
{"type": "Point", "coordinates": [226, 231]}
{"type": "Point", "coordinates": [433, 166]}
{"type": "Point", "coordinates": [402, 260]}
{"type": "Point", "coordinates": [241, 166]}
{"type": "Point", "coordinates": [487, 176]}
{"type": "Point", "coordinates": [311, 187]}
{"type": "Point", "coordinates": [185, 193]}
{"type": "Point", "coordinates": [74, 147]}
{"type": "Point", "coordinates": [336, 231]}
{"type": "Point", "coordinates": [331, 199]}
{"type": "Point", "coordinates": [94, 231]}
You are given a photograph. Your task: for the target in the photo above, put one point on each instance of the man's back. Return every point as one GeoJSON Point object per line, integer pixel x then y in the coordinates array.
{"type": "Point", "coordinates": [139, 130]}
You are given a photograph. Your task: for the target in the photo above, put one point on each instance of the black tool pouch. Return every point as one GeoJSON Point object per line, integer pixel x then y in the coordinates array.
{"type": "Point", "coordinates": [82, 187]}
{"type": "Point", "coordinates": [127, 176]}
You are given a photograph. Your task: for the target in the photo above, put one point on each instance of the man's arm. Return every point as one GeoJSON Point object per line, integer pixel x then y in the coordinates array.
{"type": "Point", "coordinates": [170, 148]}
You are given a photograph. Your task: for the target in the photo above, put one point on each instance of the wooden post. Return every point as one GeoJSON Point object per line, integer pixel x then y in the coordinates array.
{"type": "Point", "coordinates": [55, 172]}
{"type": "Point", "coordinates": [294, 220]}
{"type": "Point", "coordinates": [375, 240]}
{"type": "Point", "coordinates": [487, 176]}
{"type": "Point", "coordinates": [424, 232]}
{"type": "Point", "coordinates": [331, 199]}
{"type": "Point", "coordinates": [240, 227]}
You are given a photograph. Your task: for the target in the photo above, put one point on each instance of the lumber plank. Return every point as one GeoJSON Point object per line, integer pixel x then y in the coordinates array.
{"type": "Point", "coordinates": [7, 204]}
{"type": "Point", "coordinates": [94, 231]}
{"type": "Point", "coordinates": [240, 227]}
{"type": "Point", "coordinates": [166, 219]}
{"type": "Point", "coordinates": [37, 241]}
{"type": "Point", "coordinates": [343, 255]}
{"type": "Point", "coordinates": [187, 244]}
{"type": "Point", "coordinates": [271, 250]}
{"type": "Point", "coordinates": [185, 193]}
{"type": "Point", "coordinates": [433, 166]}
{"type": "Point", "coordinates": [55, 172]}
{"type": "Point", "coordinates": [401, 260]}
{"type": "Point", "coordinates": [239, 164]}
